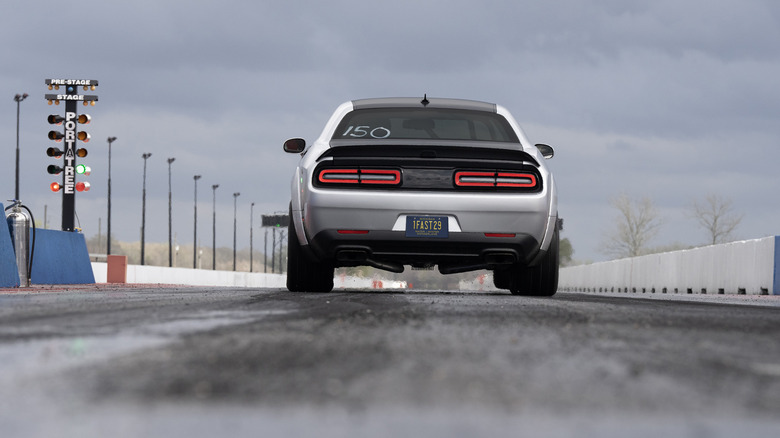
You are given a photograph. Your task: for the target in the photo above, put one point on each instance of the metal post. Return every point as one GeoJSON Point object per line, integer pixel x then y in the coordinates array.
{"type": "Point", "coordinates": [108, 231]}
{"type": "Point", "coordinates": [273, 252]}
{"type": "Point", "coordinates": [235, 198]}
{"type": "Point", "coordinates": [214, 229]}
{"type": "Point", "coordinates": [281, 243]}
{"type": "Point", "coordinates": [170, 222]}
{"type": "Point", "coordinates": [195, 226]}
{"type": "Point", "coordinates": [18, 98]}
{"type": "Point", "coordinates": [251, 238]}
{"type": "Point", "coordinates": [143, 212]}
{"type": "Point", "coordinates": [265, 252]}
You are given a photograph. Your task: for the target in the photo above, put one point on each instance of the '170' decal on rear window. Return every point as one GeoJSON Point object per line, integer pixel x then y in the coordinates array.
{"type": "Point", "coordinates": [365, 130]}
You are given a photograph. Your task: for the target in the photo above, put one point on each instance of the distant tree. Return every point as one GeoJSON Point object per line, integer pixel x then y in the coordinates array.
{"type": "Point", "coordinates": [670, 247]}
{"type": "Point", "coordinates": [715, 215]}
{"type": "Point", "coordinates": [566, 252]}
{"type": "Point", "coordinates": [636, 224]}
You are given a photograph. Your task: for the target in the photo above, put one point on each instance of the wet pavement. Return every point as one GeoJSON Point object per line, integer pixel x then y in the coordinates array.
{"type": "Point", "coordinates": [165, 360]}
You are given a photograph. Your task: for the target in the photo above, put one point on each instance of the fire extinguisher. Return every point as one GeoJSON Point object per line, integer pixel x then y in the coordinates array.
{"type": "Point", "coordinates": [19, 224]}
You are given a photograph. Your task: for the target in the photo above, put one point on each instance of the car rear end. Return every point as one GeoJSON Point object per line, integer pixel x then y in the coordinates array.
{"type": "Point", "coordinates": [452, 183]}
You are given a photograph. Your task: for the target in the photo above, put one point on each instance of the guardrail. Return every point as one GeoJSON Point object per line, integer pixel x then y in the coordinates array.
{"type": "Point", "coordinates": [745, 267]}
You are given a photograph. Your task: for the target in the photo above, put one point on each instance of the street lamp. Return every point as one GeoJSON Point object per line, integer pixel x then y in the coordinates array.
{"type": "Point", "coordinates": [108, 241]}
{"type": "Point", "coordinates": [143, 211]}
{"type": "Point", "coordinates": [214, 228]}
{"type": "Point", "coordinates": [273, 250]}
{"type": "Point", "coordinates": [235, 197]}
{"type": "Point", "coordinates": [251, 213]}
{"type": "Point", "coordinates": [170, 224]}
{"type": "Point", "coordinates": [195, 226]}
{"type": "Point", "coordinates": [18, 98]}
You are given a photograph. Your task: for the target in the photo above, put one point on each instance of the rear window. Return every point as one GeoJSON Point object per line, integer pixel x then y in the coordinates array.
{"type": "Point", "coordinates": [425, 124]}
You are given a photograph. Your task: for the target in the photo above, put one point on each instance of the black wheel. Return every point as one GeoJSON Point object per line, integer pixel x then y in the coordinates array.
{"type": "Point", "coordinates": [546, 274]}
{"type": "Point", "coordinates": [502, 278]}
{"type": "Point", "coordinates": [303, 274]}
{"type": "Point", "coordinates": [540, 280]}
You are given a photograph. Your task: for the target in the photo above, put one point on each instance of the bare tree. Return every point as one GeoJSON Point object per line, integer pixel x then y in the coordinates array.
{"type": "Point", "coordinates": [566, 252]}
{"type": "Point", "coordinates": [715, 215]}
{"type": "Point", "coordinates": [636, 223]}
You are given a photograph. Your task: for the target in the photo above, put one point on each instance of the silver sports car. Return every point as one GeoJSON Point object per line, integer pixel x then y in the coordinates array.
{"type": "Point", "coordinates": [422, 182]}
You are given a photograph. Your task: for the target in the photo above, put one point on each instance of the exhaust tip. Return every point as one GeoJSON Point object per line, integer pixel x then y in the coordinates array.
{"type": "Point", "coordinates": [352, 255]}
{"type": "Point", "coordinates": [500, 258]}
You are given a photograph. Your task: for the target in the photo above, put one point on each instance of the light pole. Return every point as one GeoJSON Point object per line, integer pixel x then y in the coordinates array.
{"type": "Point", "coordinates": [273, 251]}
{"type": "Point", "coordinates": [143, 211]}
{"type": "Point", "coordinates": [170, 223]}
{"type": "Point", "coordinates": [214, 229]}
{"type": "Point", "coordinates": [251, 243]}
{"type": "Point", "coordinates": [281, 243]}
{"type": "Point", "coordinates": [108, 240]}
{"type": "Point", "coordinates": [235, 198]}
{"type": "Point", "coordinates": [195, 226]}
{"type": "Point", "coordinates": [18, 98]}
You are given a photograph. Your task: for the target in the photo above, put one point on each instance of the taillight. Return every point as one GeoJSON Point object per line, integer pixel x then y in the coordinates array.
{"type": "Point", "coordinates": [380, 176]}
{"type": "Point", "coordinates": [506, 179]}
{"type": "Point", "coordinates": [470, 178]}
{"type": "Point", "coordinates": [360, 176]}
{"type": "Point", "coordinates": [339, 176]}
{"type": "Point", "coordinates": [475, 179]}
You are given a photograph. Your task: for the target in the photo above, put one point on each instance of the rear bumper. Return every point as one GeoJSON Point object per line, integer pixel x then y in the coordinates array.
{"type": "Point", "coordinates": [324, 212]}
{"type": "Point", "coordinates": [379, 211]}
{"type": "Point", "coordinates": [390, 249]}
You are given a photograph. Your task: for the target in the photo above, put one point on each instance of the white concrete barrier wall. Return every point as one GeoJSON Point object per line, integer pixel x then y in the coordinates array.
{"type": "Point", "coordinates": [744, 267]}
{"type": "Point", "coordinates": [192, 277]}
{"type": "Point", "coordinates": [201, 277]}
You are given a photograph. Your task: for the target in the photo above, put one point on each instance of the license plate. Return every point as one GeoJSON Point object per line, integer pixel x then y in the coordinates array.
{"type": "Point", "coordinates": [427, 226]}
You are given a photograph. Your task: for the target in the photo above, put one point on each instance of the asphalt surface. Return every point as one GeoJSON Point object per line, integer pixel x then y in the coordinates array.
{"type": "Point", "coordinates": [135, 361]}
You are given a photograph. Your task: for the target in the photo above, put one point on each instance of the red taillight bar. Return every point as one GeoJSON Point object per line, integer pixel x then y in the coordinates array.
{"type": "Point", "coordinates": [500, 234]}
{"type": "Point", "coordinates": [360, 176]}
{"type": "Point", "coordinates": [506, 179]}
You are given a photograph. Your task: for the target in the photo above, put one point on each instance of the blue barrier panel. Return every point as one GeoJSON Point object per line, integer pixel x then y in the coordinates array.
{"type": "Point", "coordinates": [9, 275]}
{"type": "Point", "coordinates": [61, 257]}
{"type": "Point", "coordinates": [776, 286]}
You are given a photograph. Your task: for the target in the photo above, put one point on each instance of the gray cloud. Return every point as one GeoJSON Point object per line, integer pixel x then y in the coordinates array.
{"type": "Point", "coordinates": [666, 99]}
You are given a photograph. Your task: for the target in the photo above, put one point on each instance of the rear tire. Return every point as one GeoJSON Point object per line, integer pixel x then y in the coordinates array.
{"type": "Point", "coordinates": [540, 280]}
{"type": "Point", "coordinates": [502, 278]}
{"type": "Point", "coordinates": [303, 274]}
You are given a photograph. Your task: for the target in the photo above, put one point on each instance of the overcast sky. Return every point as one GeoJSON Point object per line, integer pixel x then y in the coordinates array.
{"type": "Point", "coordinates": [670, 100]}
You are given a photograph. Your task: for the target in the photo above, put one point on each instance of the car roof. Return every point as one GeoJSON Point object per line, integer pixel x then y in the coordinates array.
{"type": "Point", "coordinates": [432, 102]}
